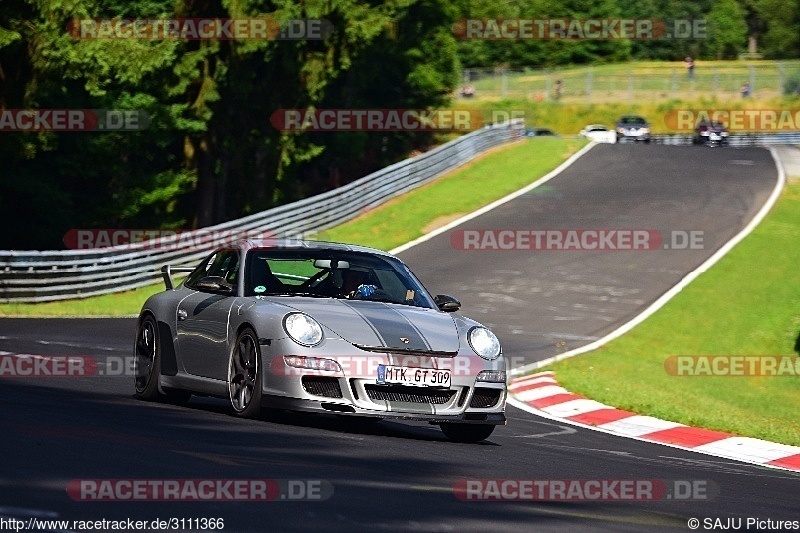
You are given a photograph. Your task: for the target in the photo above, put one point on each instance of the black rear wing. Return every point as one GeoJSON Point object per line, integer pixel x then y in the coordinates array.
{"type": "Point", "coordinates": [166, 273]}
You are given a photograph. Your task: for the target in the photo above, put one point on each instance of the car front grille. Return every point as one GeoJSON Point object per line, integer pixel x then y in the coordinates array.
{"type": "Point", "coordinates": [322, 386]}
{"type": "Point", "coordinates": [400, 393]}
{"type": "Point", "coordinates": [483, 398]}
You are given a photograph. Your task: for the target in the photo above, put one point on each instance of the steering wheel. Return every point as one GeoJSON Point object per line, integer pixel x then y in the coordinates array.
{"type": "Point", "coordinates": [310, 281]}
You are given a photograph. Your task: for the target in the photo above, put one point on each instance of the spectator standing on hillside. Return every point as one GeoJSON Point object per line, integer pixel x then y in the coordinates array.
{"type": "Point", "coordinates": [689, 62]}
{"type": "Point", "coordinates": [557, 90]}
{"type": "Point", "coordinates": [745, 90]}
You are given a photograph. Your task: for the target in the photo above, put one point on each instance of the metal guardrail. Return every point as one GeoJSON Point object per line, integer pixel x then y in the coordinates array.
{"type": "Point", "coordinates": [735, 139]}
{"type": "Point", "coordinates": [44, 276]}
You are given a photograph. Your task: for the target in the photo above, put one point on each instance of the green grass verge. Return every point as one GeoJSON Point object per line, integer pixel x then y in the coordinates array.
{"type": "Point", "coordinates": [404, 218]}
{"type": "Point", "coordinates": [117, 304]}
{"type": "Point", "coordinates": [747, 304]}
{"type": "Point", "coordinates": [464, 190]}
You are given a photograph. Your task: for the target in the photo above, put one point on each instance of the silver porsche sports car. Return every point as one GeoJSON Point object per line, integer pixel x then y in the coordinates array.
{"type": "Point", "coordinates": [322, 327]}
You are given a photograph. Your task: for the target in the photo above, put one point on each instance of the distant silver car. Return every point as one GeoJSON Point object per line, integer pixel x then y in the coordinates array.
{"type": "Point", "coordinates": [632, 127]}
{"type": "Point", "coordinates": [323, 327]}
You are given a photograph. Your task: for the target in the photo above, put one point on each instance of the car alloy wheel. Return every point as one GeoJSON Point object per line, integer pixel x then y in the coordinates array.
{"type": "Point", "coordinates": [244, 375]}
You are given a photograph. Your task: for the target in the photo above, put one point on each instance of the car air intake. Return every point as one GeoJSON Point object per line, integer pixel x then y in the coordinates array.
{"type": "Point", "coordinates": [483, 398]}
{"type": "Point", "coordinates": [322, 386]}
{"type": "Point", "coordinates": [400, 393]}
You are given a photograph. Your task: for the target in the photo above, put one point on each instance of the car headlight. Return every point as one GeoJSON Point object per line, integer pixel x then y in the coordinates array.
{"type": "Point", "coordinates": [645, 130]}
{"type": "Point", "coordinates": [484, 342]}
{"type": "Point", "coordinates": [303, 329]}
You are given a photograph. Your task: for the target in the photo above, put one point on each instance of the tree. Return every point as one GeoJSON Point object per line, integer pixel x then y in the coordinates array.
{"type": "Point", "coordinates": [781, 23]}
{"type": "Point", "coordinates": [728, 29]}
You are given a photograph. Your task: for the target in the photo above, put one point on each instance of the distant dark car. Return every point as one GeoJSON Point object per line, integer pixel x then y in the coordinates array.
{"type": "Point", "coordinates": [540, 132]}
{"type": "Point", "coordinates": [710, 133]}
{"type": "Point", "coordinates": [632, 128]}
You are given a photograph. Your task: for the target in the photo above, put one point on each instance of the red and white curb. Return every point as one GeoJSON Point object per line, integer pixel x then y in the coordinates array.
{"type": "Point", "coordinates": [547, 398]}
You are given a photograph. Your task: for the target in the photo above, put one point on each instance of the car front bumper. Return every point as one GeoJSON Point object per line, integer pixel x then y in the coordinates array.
{"type": "Point", "coordinates": [321, 406]}
{"type": "Point", "coordinates": [355, 389]}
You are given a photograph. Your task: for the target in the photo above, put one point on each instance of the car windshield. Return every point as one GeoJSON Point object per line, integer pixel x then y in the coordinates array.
{"type": "Point", "coordinates": [632, 120]}
{"type": "Point", "coordinates": [326, 273]}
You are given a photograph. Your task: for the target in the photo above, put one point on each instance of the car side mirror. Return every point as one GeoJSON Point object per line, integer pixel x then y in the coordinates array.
{"type": "Point", "coordinates": [215, 284]}
{"type": "Point", "coordinates": [446, 303]}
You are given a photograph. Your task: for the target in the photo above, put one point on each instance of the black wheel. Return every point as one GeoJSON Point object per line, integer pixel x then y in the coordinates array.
{"type": "Point", "coordinates": [147, 366]}
{"type": "Point", "coordinates": [147, 360]}
{"type": "Point", "coordinates": [244, 375]}
{"type": "Point", "coordinates": [466, 432]}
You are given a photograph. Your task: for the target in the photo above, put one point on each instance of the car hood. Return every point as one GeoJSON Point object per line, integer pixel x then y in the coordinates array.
{"type": "Point", "coordinates": [378, 326]}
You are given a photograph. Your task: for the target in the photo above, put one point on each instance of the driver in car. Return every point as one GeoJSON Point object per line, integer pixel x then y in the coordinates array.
{"type": "Point", "coordinates": [346, 283]}
{"type": "Point", "coordinates": [354, 286]}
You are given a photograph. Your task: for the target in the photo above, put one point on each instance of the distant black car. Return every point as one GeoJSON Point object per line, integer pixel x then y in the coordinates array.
{"type": "Point", "coordinates": [540, 132]}
{"type": "Point", "coordinates": [633, 128]}
{"type": "Point", "coordinates": [710, 133]}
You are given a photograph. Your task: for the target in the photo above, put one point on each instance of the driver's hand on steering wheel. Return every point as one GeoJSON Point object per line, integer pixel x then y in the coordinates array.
{"type": "Point", "coordinates": [362, 291]}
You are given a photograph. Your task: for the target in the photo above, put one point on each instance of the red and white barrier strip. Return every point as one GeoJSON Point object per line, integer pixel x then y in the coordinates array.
{"type": "Point", "coordinates": [542, 392]}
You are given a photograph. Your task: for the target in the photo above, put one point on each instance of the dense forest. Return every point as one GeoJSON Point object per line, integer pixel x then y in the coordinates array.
{"type": "Point", "coordinates": [210, 153]}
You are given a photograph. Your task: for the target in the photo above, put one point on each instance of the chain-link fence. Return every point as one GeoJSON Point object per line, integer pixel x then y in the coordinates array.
{"type": "Point", "coordinates": [632, 83]}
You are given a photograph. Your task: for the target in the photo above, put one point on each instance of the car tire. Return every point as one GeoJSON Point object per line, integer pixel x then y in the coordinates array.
{"type": "Point", "coordinates": [466, 432]}
{"type": "Point", "coordinates": [147, 366]}
{"type": "Point", "coordinates": [245, 374]}
{"type": "Point", "coordinates": [147, 360]}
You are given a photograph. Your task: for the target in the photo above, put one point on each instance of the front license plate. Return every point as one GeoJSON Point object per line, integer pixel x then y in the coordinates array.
{"type": "Point", "coordinates": [715, 137]}
{"type": "Point", "coordinates": [415, 377]}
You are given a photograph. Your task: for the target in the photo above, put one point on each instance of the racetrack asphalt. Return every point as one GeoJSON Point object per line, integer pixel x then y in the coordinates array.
{"type": "Point", "coordinates": [400, 476]}
{"type": "Point", "coordinates": [546, 302]}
